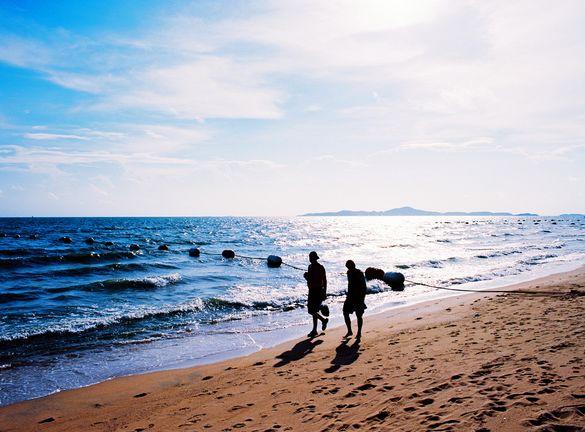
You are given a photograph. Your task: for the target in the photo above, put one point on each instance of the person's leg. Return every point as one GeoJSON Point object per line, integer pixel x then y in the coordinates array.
{"type": "Point", "coordinates": [314, 331]}
{"type": "Point", "coordinates": [360, 322]}
{"type": "Point", "coordinates": [319, 317]}
{"type": "Point", "coordinates": [347, 324]}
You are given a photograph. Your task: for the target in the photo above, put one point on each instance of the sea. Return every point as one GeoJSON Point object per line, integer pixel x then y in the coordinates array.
{"type": "Point", "coordinates": [74, 314]}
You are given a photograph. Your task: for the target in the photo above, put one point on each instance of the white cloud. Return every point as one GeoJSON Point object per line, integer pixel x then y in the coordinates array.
{"type": "Point", "coordinates": [52, 137]}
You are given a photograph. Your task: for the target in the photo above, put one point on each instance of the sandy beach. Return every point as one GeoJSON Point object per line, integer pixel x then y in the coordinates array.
{"type": "Point", "coordinates": [478, 362]}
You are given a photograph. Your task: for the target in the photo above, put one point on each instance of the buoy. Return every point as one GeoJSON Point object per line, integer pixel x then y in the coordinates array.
{"type": "Point", "coordinates": [90, 240]}
{"type": "Point", "coordinates": [228, 253]}
{"type": "Point", "coordinates": [194, 252]}
{"type": "Point", "coordinates": [33, 236]}
{"type": "Point", "coordinates": [374, 273]}
{"type": "Point", "coordinates": [163, 247]}
{"type": "Point", "coordinates": [273, 261]}
{"type": "Point", "coordinates": [16, 236]}
{"type": "Point", "coordinates": [134, 247]}
{"type": "Point", "coordinates": [66, 240]}
{"type": "Point", "coordinates": [395, 280]}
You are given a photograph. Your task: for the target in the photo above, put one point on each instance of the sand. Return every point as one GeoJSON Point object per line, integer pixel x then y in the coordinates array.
{"type": "Point", "coordinates": [477, 362]}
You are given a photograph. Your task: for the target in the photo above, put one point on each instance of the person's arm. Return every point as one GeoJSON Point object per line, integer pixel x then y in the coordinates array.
{"type": "Point", "coordinates": [363, 284]}
{"type": "Point", "coordinates": [324, 279]}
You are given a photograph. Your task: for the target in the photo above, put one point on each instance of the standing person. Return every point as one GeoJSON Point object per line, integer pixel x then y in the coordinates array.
{"type": "Point", "coordinates": [355, 300]}
{"type": "Point", "coordinates": [317, 283]}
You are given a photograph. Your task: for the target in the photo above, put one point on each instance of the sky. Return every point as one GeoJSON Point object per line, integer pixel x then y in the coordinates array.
{"type": "Point", "coordinates": [156, 108]}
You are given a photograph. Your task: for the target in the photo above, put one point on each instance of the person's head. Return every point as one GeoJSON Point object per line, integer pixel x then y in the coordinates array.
{"type": "Point", "coordinates": [313, 257]}
{"type": "Point", "coordinates": [350, 265]}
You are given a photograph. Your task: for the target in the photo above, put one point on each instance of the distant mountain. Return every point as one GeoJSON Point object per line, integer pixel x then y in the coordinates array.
{"type": "Point", "coordinates": [409, 211]}
{"type": "Point", "coordinates": [578, 215]}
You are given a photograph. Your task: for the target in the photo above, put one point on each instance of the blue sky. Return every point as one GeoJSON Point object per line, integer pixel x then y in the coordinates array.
{"type": "Point", "coordinates": [279, 108]}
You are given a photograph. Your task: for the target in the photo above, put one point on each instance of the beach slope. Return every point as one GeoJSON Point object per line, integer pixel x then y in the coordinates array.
{"type": "Point", "coordinates": [477, 362]}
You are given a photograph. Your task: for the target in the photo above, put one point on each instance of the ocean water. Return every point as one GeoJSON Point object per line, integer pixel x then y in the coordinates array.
{"type": "Point", "coordinates": [75, 314]}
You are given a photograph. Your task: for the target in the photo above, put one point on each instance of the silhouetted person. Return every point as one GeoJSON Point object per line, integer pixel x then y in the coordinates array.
{"type": "Point", "coordinates": [317, 283]}
{"type": "Point", "coordinates": [355, 300]}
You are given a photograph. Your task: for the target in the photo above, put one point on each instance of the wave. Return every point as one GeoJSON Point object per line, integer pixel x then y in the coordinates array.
{"type": "Point", "coordinates": [18, 252]}
{"type": "Point", "coordinates": [149, 282]}
{"type": "Point", "coordinates": [109, 268]}
{"type": "Point", "coordinates": [12, 297]}
{"type": "Point", "coordinates": [538, 259]}
{"type": "Point", "coordinates": [428, 263]}
{"type": "Point", "coordinates": [499, 254]}
{"type": "Point", "coordinates": [78, 258]}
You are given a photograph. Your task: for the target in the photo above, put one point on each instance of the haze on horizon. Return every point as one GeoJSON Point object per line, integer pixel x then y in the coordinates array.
{"type": "Point", "coordinates": [281, 108]}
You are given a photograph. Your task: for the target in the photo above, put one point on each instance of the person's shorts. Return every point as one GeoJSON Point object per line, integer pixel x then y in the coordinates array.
{"type": "Point", "coordinates": [350, 306]}
{"type": "Point", "coordinates": [314, 305]}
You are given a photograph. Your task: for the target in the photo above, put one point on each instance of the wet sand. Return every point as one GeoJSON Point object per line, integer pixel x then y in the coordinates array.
{"type": "Point", "coordinates": [479, 362]}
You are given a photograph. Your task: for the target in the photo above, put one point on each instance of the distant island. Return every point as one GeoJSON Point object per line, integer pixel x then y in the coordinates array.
{"type": "Point", "coordinates": [409, 211]}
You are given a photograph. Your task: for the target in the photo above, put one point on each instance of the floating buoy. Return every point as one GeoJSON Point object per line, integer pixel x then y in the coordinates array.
{"type": "Point", "coordinates": [90, 240]}
{"type": "Point", "coordinates": [374, 273]}
{"type": "Point", "coordinates": [134, 247]}
{"type": "Point", "coordinates": [194, 252]}
{"type": "Point", "coordinates": [395, 280]}
{"type": "Point", "coordinates": [228, 253]}
{"type": "Point", "coordinates": [66, 240]}
{"type": "Point", "coordinates": [163, 247]}
{"type": "Point", "coordinates": [273, 261]}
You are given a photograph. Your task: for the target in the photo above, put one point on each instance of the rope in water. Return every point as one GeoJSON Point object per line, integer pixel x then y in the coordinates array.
{"type": "Point", "coordinates": [543, 293]}
{"type": "Point", "coordinates": [252, 258]}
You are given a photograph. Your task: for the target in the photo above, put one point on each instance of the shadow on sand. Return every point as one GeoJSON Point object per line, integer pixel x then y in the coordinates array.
{"type": "Point", "coordinates": [297, 352]}
{"type": "Point", "coordinates": [344, 355]}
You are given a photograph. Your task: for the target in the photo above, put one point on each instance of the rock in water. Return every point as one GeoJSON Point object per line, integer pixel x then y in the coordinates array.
{"type": "Point", "coordinates": [395, 280]}
{"type": "Point", "coordinates": [134, 247]}
{"type": "Point", "coordinates": [90, 240]}
{"type": "Point", "coordinates": [194, 252]}
{"type": "Point", "coordinates": [33, 236]}
{"type": "Point", "coordinates": [228, 253]}
{"type": "Point", "coordinates": [66, 240]}
{"type": "Point", "coordinates": [163, 247]}
{"type": "Point", "coordinates": [374, 273]}
{"type": "Point", "coordinates": [273, 261]}
{"type": "Point", "coordinates": [109, 243]}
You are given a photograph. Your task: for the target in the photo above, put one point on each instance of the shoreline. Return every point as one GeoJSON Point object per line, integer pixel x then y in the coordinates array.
{"type": "Point", "coordinates": [68, 408]}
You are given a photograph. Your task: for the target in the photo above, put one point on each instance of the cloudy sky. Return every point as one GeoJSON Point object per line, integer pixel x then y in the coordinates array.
{"type": "Point", "coordinates": [279, 108]}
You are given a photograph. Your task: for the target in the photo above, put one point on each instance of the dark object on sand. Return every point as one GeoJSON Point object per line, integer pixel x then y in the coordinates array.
{"type": "Point", "coordinates": [134, 247]}
{"type": "Point", "coordinates": [33, 236]}
{"type": "Point", "coordinates": [395, 280]}
{"type": "Point", "coordinates": [374, 273]}
{"type": "Point", "coordinates": [194, 252]}
{"type": "Point", "coordinates": [273, 261]}
{"type": "Point", "coordinates": [163, 247]}
{"type": "Point", "coordinates": [66, 240]}
{"type": "Point", "coordinates": [109, 243]}
{"type": "Point", "coordinates": [228, 253]}
{"type": "Point", "coordinates": [90, 240]}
